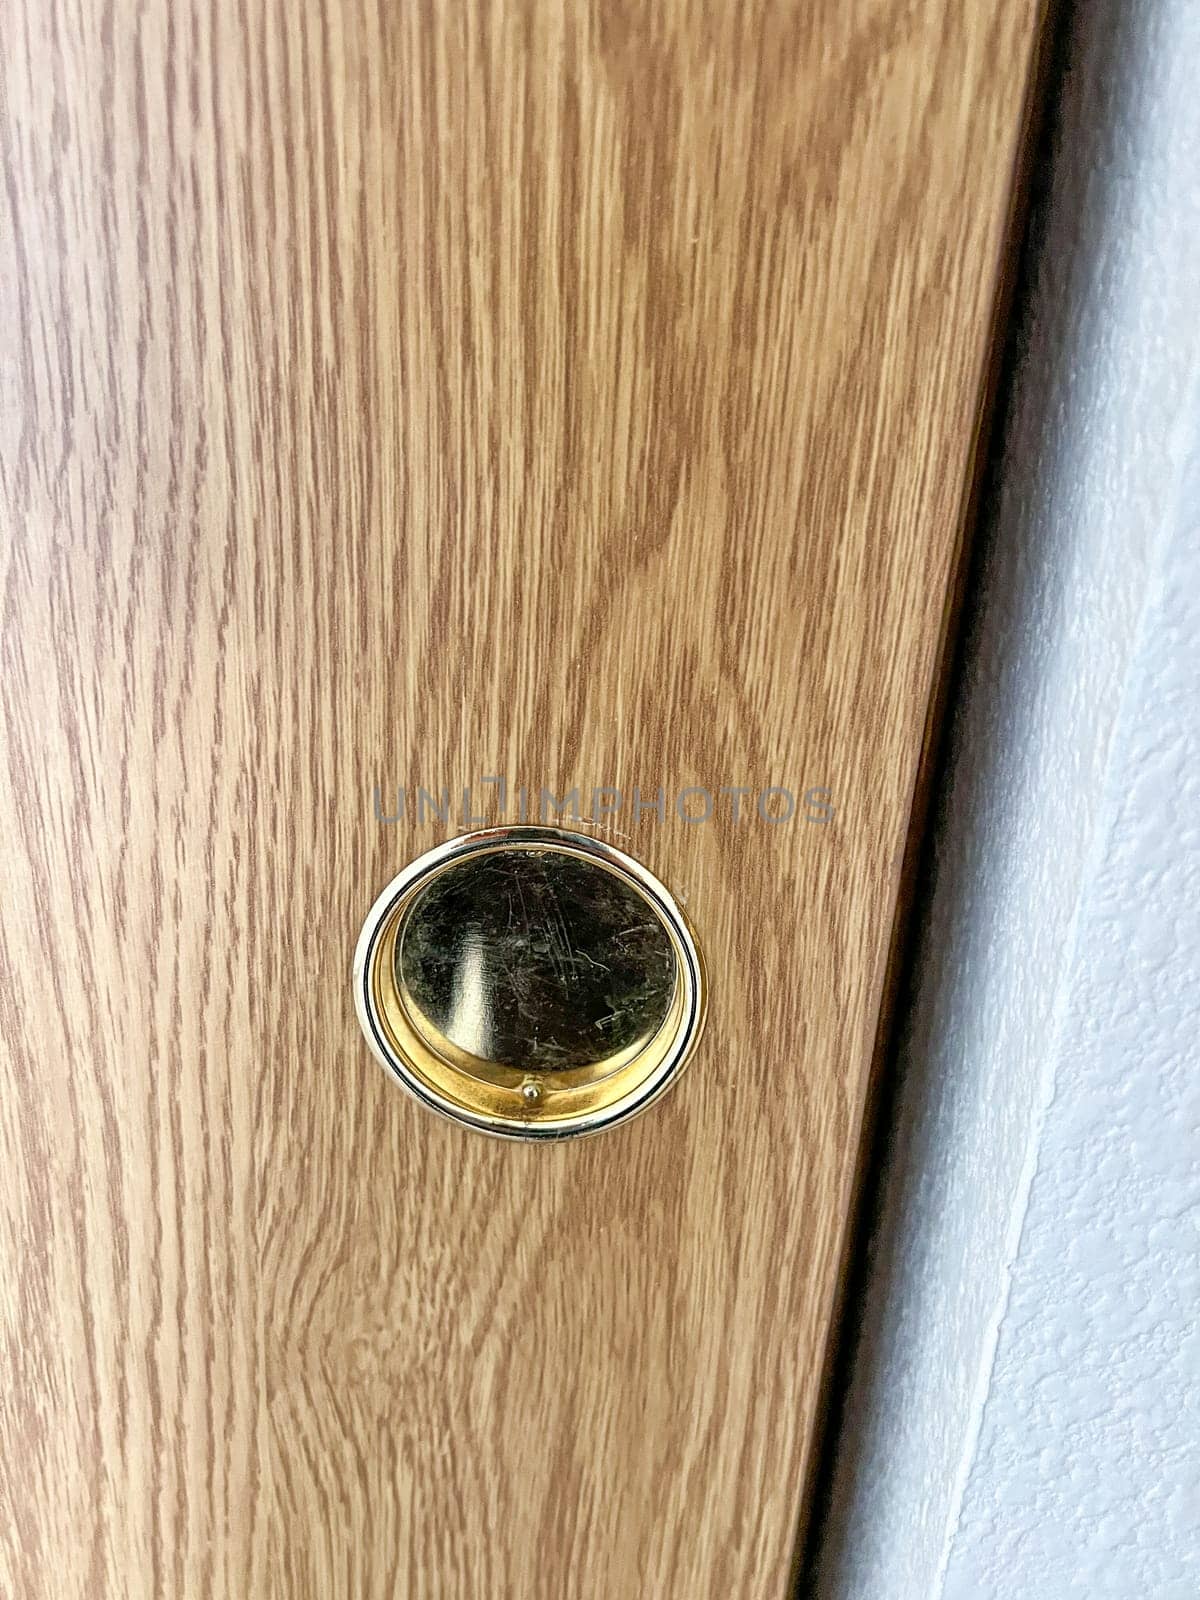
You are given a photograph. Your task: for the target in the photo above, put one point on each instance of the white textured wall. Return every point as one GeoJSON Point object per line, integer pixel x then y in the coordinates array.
{"type": "Point", "coordinates": [1085, 1477]}
{"type": "Point", "coordinates": [1024, 1412]}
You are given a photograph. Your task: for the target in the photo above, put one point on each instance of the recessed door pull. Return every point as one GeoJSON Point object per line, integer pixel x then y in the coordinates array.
{"type": "Point", "coordinates": [529, 982]}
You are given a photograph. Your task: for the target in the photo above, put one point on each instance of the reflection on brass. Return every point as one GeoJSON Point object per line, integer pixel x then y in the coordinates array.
{"type": "Point", "coordinates": [529, 982]}
{"type": "Point", "coordinates": [536, 959]}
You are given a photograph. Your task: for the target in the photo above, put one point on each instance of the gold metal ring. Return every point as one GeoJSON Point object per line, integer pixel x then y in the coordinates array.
{"type": "Point", "coordinates": [529, 982]}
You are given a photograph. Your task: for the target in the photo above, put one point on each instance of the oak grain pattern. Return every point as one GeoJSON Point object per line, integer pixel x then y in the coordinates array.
{"type": "Point", "coordinates": [397, 395]}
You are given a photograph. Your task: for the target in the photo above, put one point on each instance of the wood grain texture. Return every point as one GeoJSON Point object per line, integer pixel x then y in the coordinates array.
{"type": "Point", "coordinates": [396, 395]}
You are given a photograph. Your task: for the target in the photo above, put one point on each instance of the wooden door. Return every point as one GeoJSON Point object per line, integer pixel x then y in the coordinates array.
{"type": "Point", "coordinates": [394, 397]}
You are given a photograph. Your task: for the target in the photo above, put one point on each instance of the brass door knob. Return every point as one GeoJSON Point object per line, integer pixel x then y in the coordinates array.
{"type": "Point", "coordinates": [529, 982]}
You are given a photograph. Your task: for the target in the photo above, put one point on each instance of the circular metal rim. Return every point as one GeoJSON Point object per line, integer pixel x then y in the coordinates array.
{"type": "Point", "coordinates": [691, 978]}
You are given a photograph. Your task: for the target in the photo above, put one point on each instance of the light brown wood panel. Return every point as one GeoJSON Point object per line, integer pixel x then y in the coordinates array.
{"type": "Point", "coordinates": [396, 395]}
